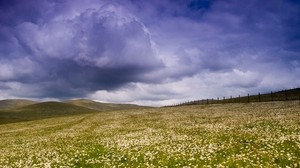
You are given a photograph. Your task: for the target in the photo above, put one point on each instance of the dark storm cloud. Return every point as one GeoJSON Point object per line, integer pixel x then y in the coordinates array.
{"type": "Point", "coordinates": [72, 52]}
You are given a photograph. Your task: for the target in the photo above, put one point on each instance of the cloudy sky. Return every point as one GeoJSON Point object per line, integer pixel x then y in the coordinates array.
{"type": "Point", "coordinates": [156, 52]}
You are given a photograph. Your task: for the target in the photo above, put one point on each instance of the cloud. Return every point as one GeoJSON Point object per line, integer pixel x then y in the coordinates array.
{"type": "Point", "coordinates": [148, 52]}
{"type": "Point", "coordinates": [141, 93]}
{"type": "Point", "coordinates": [229, 35]}
{"type": "Point", "coordinates": [74, 53]}
{"type": "Point", "coordinates": [225, 47]}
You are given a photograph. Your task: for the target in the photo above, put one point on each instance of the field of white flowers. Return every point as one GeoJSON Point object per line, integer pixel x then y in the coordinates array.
{"type": "Point", "coordinates": [229, 135]}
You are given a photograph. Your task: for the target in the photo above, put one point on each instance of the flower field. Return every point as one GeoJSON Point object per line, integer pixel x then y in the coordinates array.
{"type": "Point", "coordinates": [220, 135]}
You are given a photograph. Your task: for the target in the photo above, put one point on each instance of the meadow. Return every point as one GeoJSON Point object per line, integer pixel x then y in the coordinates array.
{"type": "Point", "coordinates": [218, 135]}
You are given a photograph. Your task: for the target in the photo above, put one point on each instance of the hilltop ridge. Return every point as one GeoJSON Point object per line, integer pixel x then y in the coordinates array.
{"type": "Point", "coordinates": [14, 103]}
{"type": "Point", "coordinates": [26, 110]}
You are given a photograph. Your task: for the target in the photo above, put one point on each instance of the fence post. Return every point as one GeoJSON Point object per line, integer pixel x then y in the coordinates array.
{"type": "Point", "coordinates": [218, 100]}
{"type": "Point", "coordinates": [248, 97]}
{"type": "Point", "coordinates": [239, 98]}
{"type": "Point", "coordinates": [224, 99]}
{"type": "Point", "coordinates": [206, 101]}
{"type": "Point", "coordinates": [231, 101]}
{"type": "Point", "coordinates": [258, 97]}
{"type": "Point", "coordinates": [271, 96]}
{"type": "Point", "coordinates": [285, 94]}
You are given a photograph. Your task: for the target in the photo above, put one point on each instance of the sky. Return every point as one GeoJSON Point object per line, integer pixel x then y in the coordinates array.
{"type": "Point", "coordinates": [157, 52]}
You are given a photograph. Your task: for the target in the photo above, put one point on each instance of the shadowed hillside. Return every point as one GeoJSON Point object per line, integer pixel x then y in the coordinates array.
{"type": "Point", "coordinates": [40, 111]}
{"type": "Point", "coordinates": [14, 103]}
{"type": "Point", "coordinates": [26, 110]}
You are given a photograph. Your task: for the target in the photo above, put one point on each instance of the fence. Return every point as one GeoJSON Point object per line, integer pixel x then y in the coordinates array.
{"type": "Point", "coordinates": [284, 95]}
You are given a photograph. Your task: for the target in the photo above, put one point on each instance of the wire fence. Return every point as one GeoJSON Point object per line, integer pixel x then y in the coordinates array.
{"type": "Point", "coordinates": [284, 95]}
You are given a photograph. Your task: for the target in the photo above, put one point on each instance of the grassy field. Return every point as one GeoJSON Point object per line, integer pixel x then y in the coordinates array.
{"type": "Point", "coordinates": [218, 135]}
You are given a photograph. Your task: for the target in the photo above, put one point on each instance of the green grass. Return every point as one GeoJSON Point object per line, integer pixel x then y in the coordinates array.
{"type": "Point", "coordinates": [229, 135]}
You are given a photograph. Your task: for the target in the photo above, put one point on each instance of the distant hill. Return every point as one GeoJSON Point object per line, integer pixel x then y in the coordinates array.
{"type": "Point", "coordinates": [14, 103]}
{"type": "Point", "coordinates": [101, 106]}
{"type": "Point", "coordinates": [40, 111]}
{"type": "Point", "coordinates": [26, 110]}
{"type": "Point", "coordinates": [52, 108]}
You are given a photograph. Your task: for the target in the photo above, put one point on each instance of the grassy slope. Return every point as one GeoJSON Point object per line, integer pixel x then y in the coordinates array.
{"type": "Point", "coordinates": [228, 135]}
{"type": "Point", "coordinates": [101, 106]}
{"type": "Point", "coordinates": [14, 103]}
{"type": "Point", "coordinates": [40, 111]}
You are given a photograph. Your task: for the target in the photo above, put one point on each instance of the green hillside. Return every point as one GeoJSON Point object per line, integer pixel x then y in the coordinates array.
{"type": "Point", "coordinates": [101, 106]}
{"type": "Point", "coordinates": [26, 110]}
{"type": "Point", "coordinates": [41, 111]}
{"type": "Point", "coordinates": [14, 103]}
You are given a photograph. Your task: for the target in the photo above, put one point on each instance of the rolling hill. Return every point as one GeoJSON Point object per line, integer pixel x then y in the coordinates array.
{"type": "Point", "coordinates": [14, 103]}
{"type": "Point", "coordinates": [52, 108]}
{"type": "Point", "coordinates": [41, 111]}
{"type": "Point", "coordinates": [25, 110]}
{"type": "Point", "coordinates": [101, 106]}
